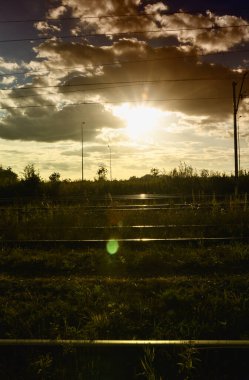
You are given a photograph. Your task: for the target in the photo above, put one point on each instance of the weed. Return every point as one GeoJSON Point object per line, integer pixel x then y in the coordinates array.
{"type": "Point", "coordinates": [148, 364]}
{"type": "Point", "coordinates": [189, 360]}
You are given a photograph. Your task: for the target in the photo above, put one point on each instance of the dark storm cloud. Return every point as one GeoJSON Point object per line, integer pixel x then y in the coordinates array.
{"type": "Point", "coordinates": [50, 125]}
{"type": "Point", "coordinates": [98, 82]}
{"type": "Point", "coordinates": [140, 62]}
{"type": "Point", "coordinates": [127, 70]}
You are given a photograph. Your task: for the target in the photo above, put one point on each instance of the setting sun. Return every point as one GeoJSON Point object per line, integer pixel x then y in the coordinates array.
{"type": "Point", "coordinates": [140, 120]}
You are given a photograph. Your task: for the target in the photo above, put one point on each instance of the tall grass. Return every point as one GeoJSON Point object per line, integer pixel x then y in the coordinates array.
{"type": "Point", "coordinates": [158, 293]}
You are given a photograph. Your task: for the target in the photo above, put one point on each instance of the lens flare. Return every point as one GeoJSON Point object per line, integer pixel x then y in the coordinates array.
{"type": "Point", "coordinates": [112, 247]}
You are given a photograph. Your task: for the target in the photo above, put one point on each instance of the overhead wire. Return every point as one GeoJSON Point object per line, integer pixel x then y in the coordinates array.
{"type": "Point", "coordinates": [69, 92]}
{"type": "Point", "coordinates": [159, 80]}
{"type": "Point", "coordinates": [117, 102]}
{"type": "Point", "coordinates": [118, 83]}
{"type": "Point", "coordinates": [111, 85]}
{"type": "Point", "coordinates": [165, 12]}
{"type": "Point", "coordinates": [123, 83]}
{"type": "Point", "coordinates": [122, 62]}
{"type": "Point", "coordinates": [113, 34]}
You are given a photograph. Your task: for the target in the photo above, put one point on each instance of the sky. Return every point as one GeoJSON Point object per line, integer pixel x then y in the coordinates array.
{"type": "Point", "coordinates": [132, 84]}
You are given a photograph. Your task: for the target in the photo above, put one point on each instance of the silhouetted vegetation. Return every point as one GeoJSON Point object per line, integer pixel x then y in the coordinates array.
{"type": "Point", "coordinates": [181, 180]}
{"type": "Point", "coordinates": [7, 177]}
{"type": "Point", "coordinates": [162, 292]}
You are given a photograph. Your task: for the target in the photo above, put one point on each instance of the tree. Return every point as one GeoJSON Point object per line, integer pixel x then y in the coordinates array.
{"type": "Point", "coordinates": [204, 173]}
{"type": "Point", "coordinates": [7, 176]}
{"type": "Point", "coordinates": [102, 172]}
{"type": "Point", "coordinates": [183, 171]}
{"type": "Point", "coordinates": [31, 175]}
{"type": "Point", "coordinates": [54, 177]}
{"type": "Point", "coordinates": [154, 172]}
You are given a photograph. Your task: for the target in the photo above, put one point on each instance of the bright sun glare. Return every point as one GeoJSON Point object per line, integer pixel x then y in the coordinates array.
{"type": "Point", "coordinates": [140, 120]}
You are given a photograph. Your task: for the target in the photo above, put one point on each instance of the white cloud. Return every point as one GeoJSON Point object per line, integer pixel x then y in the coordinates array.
{"type": "Point", "coordinates": [46, 28]}
{"type": "Point", "coordinates": [8, 65]}
{"type": "Point", "coordinates": [90, 76]}
{"type": "Point", "coordinates": [193, 97]}
{"type": "Point", "coordinates": [57, 12]}
{"type": "Point", "coordinates": [207, 32]}
{"type": "Point", "coordinates": [191, 29]}
{"type": "Point", "coordinates": [7, 80]}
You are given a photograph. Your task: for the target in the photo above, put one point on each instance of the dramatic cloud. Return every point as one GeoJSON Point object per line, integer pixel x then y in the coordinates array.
{"type": "Point", "coordinates": [114, 65]}
{"type": "Point", "coordinates": [57, 12]}
{"type": "Point", "coordinates": [7, 80]}
{"type": "Point", "coordinates": [47, 124]}
{"type": "Point", "coordinates": [112, 16]}
{"type": "Point", "coordinates": [126, 71]}
{"type": "Point", "coordinates": [137, 72]}
{"type": "Point", "coordinates": [45, 28]}
{"type": "Point", "coordinates": [6, 66]}
{"type": "Point", "coordinates": [81, 8]}
{"type": "Point", "coordinates": [208, 32]}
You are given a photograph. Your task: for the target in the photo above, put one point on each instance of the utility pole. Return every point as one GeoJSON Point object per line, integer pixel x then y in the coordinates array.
{"type": "Point", "coordinates": [235, 131]}
{"type": "Point", "coordinates": [236, 102]}
{"type": "Point", "coordinates": [82, 150]}
{"type": "Point", "coordinates": [110, 161]}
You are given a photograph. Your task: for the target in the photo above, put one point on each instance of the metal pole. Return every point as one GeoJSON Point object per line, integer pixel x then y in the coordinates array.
{"type": "Point", "coordinates": [110, 162]}
{"type": "Point", "coordinates": [236, 102]}
{"type": "Point", "coordinates": [238, 143]}
{"type": "Point", "coordinates": [82, 150]}
{"type": "Point", "coordinates": [235, 132]}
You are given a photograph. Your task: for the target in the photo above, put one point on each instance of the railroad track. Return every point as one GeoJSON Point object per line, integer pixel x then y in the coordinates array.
{"type": "Point", "coordinates": [143, 206]}
{"type": "Point", "coordinates": [91, 235]}
{"type": "Point", "coordinates": [50, 225]}
{"type": "Point", "coordinates": [139, 243]}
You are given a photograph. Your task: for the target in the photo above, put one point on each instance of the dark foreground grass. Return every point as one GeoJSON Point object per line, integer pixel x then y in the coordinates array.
{"type": "Point", "coordinates": [182, 307]}
{"type": "Point", "coordinates": [172, 307]}
{"type": "Point", "coordinates": [162, 293]}
{"type": "Point", "coordinates": [158, 260]}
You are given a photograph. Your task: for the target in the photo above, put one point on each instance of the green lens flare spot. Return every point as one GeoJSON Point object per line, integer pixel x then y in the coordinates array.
{"type": "Point", "coordinates": [112, 247]}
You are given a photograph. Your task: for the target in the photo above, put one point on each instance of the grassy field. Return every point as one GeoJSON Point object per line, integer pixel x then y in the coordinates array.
{"type": "Point", "coordinates": [76, 221]}
{"type": "Point", "coordinates": [162, 292]}
{"type": "Point", "coordinates": [173, 293]}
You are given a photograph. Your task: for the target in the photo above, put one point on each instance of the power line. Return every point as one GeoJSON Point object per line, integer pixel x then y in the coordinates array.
{"type": "Point", "coordinates": [122, 62]}
{"type": "Point", "coordinates": [131, 15]}
{"type": "Point", "coordinates": [78, 90]}
{"type": "Point", "coordinates": [127, 15]}
{"type": "Point", "coordinates": [119, 101]}
{"type": "Point", "coordinates": [87, 35]}
{"type": "Point", "coordinates": [118, 82]}
{"type": "Point", "coordinates": [70, 91]}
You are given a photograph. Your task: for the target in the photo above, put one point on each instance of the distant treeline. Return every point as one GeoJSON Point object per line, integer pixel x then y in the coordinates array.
{"type": "Point", "coordinates": [181, 180]}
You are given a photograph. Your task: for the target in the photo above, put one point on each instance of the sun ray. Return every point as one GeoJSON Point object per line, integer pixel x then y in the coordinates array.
{"type": "Point", "coordinates": [140, 120]}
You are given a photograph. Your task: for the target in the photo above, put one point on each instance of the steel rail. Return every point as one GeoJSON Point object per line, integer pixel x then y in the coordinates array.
{"type": "Point", "coordinates": [133, 243]}
{"type": "Point", "coordinates": [146, 226]}
{"type": "Point", "coordinates": [112, 342]}
{"type": "Point", "coordinates": [109, 206]}
{"type": "Point", "coordinates": [116, 203]}
{"type": "Point", "coordinates": [142, 196]}
{"type": "Point", "coordinates": [125, 208]}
